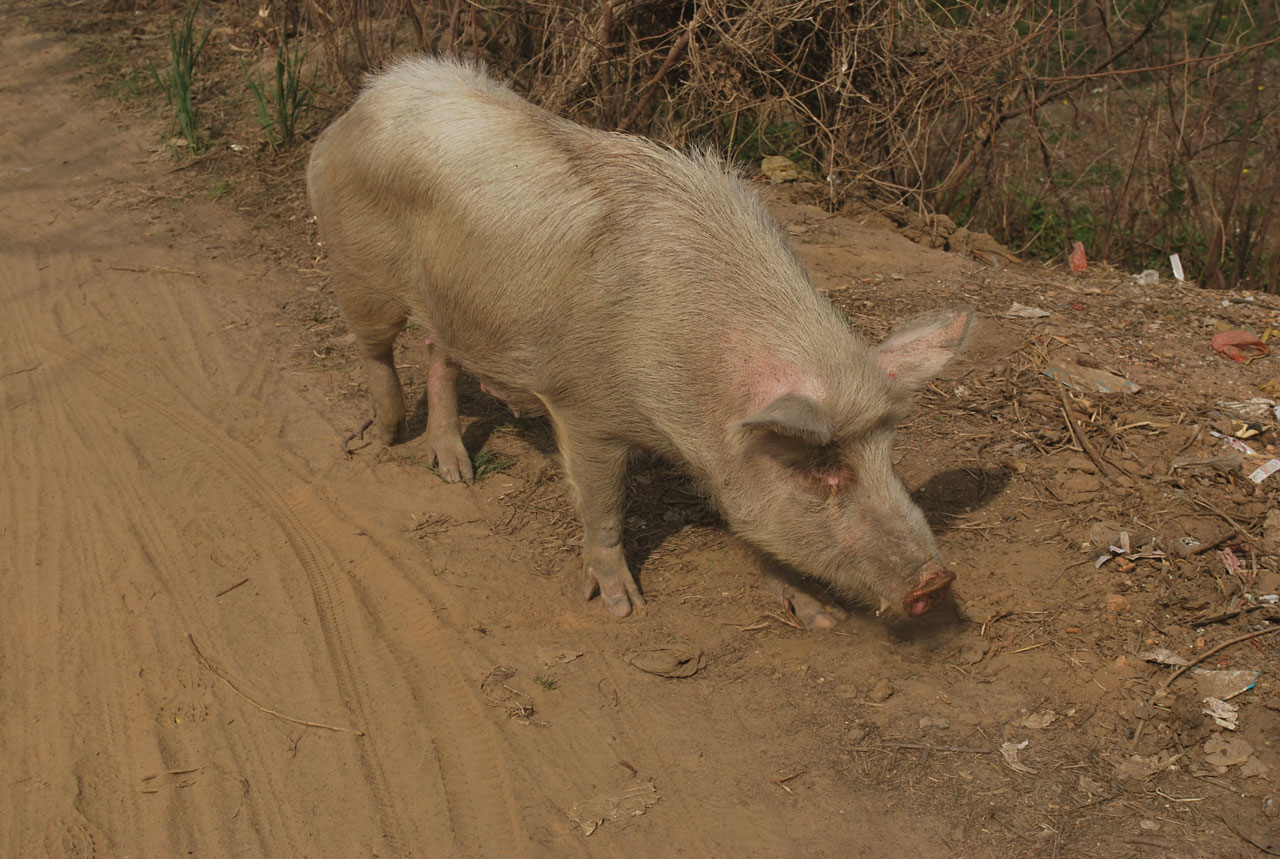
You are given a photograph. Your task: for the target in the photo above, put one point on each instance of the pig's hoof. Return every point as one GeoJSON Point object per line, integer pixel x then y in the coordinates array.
{"type": "Point", "coordinates": [810, 610]}
{"type": "Point", "coordinates": [616, 587]}
{"type": "Point", "coordinates": [388, 432]}
{"type": "Point", "coordinates": [452, 461]}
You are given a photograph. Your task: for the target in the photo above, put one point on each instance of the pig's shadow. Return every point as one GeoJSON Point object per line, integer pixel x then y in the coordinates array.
{"type": "Point", "coordinates": [949, 494]}
{"type": "Point", "coordinates": [661, 499]}
{"type": "Point", "coordinates": [487, 415]}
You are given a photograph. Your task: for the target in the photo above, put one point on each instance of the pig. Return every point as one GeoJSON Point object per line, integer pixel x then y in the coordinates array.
{"type": "Point", "coordinates": [641, 298]}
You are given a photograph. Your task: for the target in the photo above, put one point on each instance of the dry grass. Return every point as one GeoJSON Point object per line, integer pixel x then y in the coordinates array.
{"type": "Point", "coordinates": [1140, 127]}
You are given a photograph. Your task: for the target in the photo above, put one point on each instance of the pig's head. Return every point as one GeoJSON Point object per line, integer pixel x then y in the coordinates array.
{"type": "Point", "coordinates": [812, 478]}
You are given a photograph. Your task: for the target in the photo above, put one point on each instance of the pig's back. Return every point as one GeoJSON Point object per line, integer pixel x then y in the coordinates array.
{"type": "Point", "coordinates": [543, 254]}
{"type": "Point", "coordinates": [450, 191]}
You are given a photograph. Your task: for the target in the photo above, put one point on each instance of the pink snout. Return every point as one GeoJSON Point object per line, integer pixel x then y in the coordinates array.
{"type": "Point", "coordinates": [934, 581]}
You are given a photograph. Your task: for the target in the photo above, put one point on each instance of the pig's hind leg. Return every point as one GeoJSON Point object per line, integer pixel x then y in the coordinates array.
{"type": "Point", "coordinates": [596, 469]}
{"type": "Point", "coordinates": [444, 435]}
{"type": "Point", "coordinates": [376, 323]}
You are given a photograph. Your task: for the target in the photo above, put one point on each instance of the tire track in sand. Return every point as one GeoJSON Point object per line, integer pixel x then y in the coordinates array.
{"type": "Point", "coordinates": [106, 551]}
{"type": "Point", "coordinates": [482, 820]}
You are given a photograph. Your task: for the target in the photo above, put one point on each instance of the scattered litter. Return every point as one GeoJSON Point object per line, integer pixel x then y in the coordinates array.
{"type": "Point", "coordinates": [1237, 344]}
{"type": "Point", "coordinates": [1077, 258]}
{"type": "Point", "coordinates": [502, 694]}
{"type": "Point", "coordinates": [554, 656]}
{"type": "Point", "coordinates": [1225, 684]}
{"type": "Point", "coordinates": [1079, 378]}
{"type": "Point", "coordinates": [1175, 263]}
{"type": "Point", "coordinates": [1141, 767]}
{"type": "Point", "coordinates": [1234, 443]}
{"type": "Point", "coordinates": [1040, 721]}
{"type": "Point", "coordinates": [1163, 656]}
{"type": "Point", "coordinates": [1262, 472]}
{"type": "Point", "coordinates": [1226, 750]}
{"type": "Point", "coordinates": [629, 802]}
{"type": "Point", "coordinates": [1119, 544]}
{"type": "Point", "coordinates": [1107, 533]}
{"type": "Point", "coordinates": [677, 660]}
{"type": "Point", "coordinates": [1022, 311]}
{"type": "Point", "coordinates": [1255, 409]}
{"type": "Point", "coordinates": [1149, 277]}
{"type": "Point", "coordinates": [1010, 749]}
{"type": "Point", "coordinates": [1223, 714]}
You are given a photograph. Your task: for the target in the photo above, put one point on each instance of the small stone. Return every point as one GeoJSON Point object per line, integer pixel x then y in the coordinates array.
{"type": "Point", "coordinates": [1117, 604]}
{"type": "Point", "coordinates": [880, 692]}
{"type": "Point", "coordinates": [972, 651]}
{"type": "Point", "coordinates": [779, 168]}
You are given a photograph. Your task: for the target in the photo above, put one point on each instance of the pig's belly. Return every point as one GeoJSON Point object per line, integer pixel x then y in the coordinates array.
{"type": "Point", "coordinates": [521, 403]}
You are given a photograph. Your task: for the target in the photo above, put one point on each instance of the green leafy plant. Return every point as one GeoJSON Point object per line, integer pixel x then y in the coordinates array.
{"type": "Point", "coordinates": [284, 102]}
{"type": "Point", "coordinates": [488, 463]}
{"type": "Point", "coordinates": [177, 80]}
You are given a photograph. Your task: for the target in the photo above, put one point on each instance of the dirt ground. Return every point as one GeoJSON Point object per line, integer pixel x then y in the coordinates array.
{"type": "Point", "coordinates": [219, 636]}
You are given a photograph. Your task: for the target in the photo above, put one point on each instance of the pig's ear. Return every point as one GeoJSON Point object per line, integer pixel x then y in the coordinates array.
{"type": "Point", "coordinates": [924, 345]}
{"type": "Point", "coordinates": [793, 416]}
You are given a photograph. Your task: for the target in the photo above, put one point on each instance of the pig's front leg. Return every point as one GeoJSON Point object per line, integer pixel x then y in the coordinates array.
{"type": "Point", "coordinates": [444, 437]}
{"type": "Point", "coordinates": [596, 468]}
{"type": "Point", "coordinates": [803, 599]}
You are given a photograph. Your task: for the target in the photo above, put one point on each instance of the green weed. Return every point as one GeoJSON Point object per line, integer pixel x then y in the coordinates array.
{"type": "Point", "coordinates": [177, 81]}
{"type": "Point", "coordinates": [220, 189]}
{"type": "Point", "coordinates": [546, 681]}
{"type": "Point", "coordinates": [488, 463]}
{"type": "Point", "coordinates": [284, 102]}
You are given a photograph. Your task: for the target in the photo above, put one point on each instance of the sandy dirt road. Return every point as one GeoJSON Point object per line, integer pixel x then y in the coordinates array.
{"type": "Point", "coordinates": [156, 454]}
{"type": "Point", "coordinates": [221, 637]}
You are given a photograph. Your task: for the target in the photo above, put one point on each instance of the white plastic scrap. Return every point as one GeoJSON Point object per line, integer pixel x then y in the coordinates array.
{"type": "Point", "coordinates": [1175, 262]}
{"type": "Point", "coordinates": [1262, 472]}
{"type": "Point", "coordinates": [1149, 277]}
{"type": "Point", "coordinates": [630, 801]}
{"type": "Point", "coordinates": [1022, 311]}
{"type": "Point", "coordinates": [1223, 714]}
{"type": "Point", "coordinates": [1235, 443]}
{"type": "Point", "coordinates": [1010, 751]}
{"type": "Point", "coordinates": [1164, 656]}
{"type": "Point", "coordinates": [1225, 683]}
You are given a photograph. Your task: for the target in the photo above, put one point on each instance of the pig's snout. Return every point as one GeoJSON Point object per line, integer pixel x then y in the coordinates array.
{"type": "Point", "coordinates": [934, 581]}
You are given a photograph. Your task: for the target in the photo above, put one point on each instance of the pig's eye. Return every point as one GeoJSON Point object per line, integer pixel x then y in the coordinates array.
{"type": "Point", "coordinates": [829, 478]}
